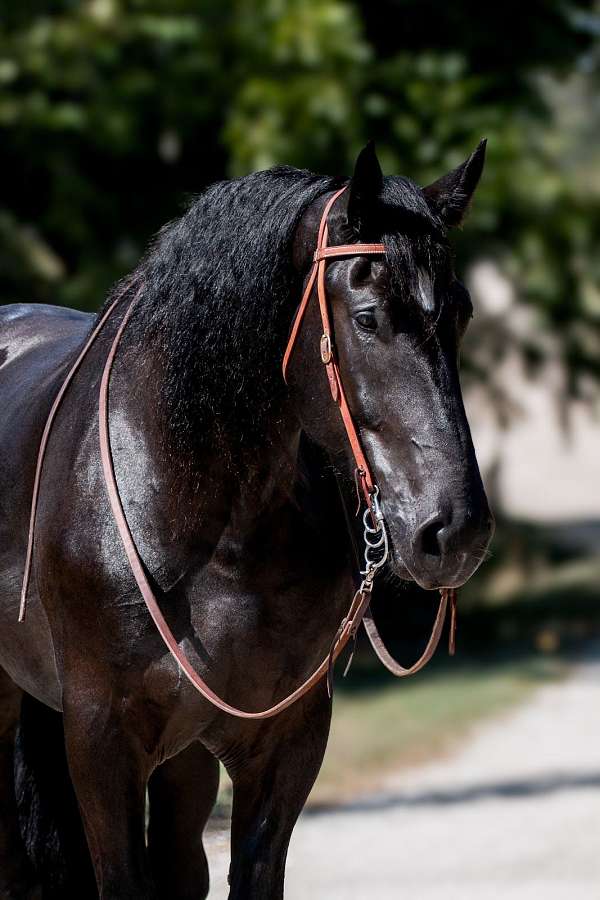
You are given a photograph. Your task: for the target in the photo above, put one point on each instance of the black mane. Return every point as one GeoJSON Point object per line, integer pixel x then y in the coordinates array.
{"type": "Point", "coordinates": [219, 294]}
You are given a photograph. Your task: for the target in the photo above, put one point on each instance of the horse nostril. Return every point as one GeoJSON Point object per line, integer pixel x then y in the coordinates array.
{"type": "Point", "coordinates": [447, 546]}
{"type": "Point", "coordinates": [430, 538]}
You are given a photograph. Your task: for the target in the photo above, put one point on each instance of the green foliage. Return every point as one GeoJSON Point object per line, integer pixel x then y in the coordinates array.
{"type": "Point", "coordinates": [113, 111]}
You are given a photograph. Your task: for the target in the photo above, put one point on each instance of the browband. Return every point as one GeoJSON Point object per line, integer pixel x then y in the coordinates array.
{"type": "Point", "coordinates": [348, 250]}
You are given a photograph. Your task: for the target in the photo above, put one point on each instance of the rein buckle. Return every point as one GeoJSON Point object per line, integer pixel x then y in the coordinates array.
{"type": "Point", "coordinates": [326, 349]}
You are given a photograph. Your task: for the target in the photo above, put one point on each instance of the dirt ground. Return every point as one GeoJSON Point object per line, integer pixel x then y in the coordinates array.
{"type": "Point", "coordinates": [515, 812]}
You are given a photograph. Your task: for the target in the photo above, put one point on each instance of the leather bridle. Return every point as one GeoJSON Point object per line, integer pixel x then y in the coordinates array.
{"type": "Point", "coordinates": [322, 254]}
{"type": "Point", "coordinates": [375, 534]}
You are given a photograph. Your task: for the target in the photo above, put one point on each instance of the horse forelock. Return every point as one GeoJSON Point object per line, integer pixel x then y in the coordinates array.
{"type": "Point", "coordinates": [417, 247]}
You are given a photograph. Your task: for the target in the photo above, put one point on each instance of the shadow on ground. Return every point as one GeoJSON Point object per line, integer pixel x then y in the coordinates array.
{"type": "Point", "coordinates": [514, 789]}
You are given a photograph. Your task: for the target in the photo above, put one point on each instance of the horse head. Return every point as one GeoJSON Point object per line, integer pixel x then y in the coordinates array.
{"type": "Point", "coordinates": [398, 321]}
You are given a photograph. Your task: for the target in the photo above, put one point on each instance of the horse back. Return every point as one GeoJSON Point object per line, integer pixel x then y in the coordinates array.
{"type": "Point", "coordinates": [29, 327]}
{"type": "Point", "coordinates": [37, 342]}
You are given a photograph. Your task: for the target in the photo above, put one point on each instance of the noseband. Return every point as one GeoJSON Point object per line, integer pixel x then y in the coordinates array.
{"type": "Point", "coordinates": [375, 534]}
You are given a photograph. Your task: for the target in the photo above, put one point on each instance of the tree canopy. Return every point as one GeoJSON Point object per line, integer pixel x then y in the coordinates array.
{"type": "Point", "coordinates": [113, 111]}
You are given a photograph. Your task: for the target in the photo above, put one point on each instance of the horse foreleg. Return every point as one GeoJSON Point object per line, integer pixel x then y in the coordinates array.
{"type": "Point", "coordinates": [110, 769]}
{"type": "Point", "coordinates": [182, 793]}
{"type": "Point", "coordinates": [269, 790]}
{"type": "Point", "coordinates": [16, 875]}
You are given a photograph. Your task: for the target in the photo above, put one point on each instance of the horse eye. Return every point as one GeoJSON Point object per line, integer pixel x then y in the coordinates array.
{"type": "Point", "coordinates": [367, 320]}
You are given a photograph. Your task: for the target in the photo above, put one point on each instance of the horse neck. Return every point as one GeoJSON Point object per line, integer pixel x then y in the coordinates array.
{"type": "Point", "coordinates": [275, 495]}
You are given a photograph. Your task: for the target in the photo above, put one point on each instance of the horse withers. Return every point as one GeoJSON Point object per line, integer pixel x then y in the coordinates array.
{"type": "Point", "coordinates": [229, 482]}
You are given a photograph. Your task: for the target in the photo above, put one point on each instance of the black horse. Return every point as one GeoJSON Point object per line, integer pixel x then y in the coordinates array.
{"type": "Point", "coordinates": [230, 485]}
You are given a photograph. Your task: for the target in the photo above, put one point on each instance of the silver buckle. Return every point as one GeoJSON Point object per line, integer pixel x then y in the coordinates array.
{"type": "Point", "coordinates": [326, 350]}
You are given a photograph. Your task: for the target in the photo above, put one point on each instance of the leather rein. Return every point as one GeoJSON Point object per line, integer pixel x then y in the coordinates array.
{"type": "Point", "coordinates": [375, 534]}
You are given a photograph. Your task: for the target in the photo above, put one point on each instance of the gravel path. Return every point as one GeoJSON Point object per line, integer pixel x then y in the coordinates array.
{"type": "Point", "coordinates": [514, 813]}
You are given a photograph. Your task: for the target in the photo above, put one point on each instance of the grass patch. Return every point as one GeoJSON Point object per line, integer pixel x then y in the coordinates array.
{"type": "Point", "coordinates": [377, 729]}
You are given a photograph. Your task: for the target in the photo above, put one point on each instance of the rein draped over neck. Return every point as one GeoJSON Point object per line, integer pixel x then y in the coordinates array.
{"type": "Point", "coordinates": [375, 535]}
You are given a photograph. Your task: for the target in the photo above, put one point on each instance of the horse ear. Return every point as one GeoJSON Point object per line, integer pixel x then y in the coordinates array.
{"type": "Point", "coordinates": [365, 187]}
{"type": "Point", "coordinates": [450, 196]}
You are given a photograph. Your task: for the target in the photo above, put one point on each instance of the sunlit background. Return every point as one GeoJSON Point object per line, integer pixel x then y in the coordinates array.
{"type": "Point", "coordinates": [113, 113]}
